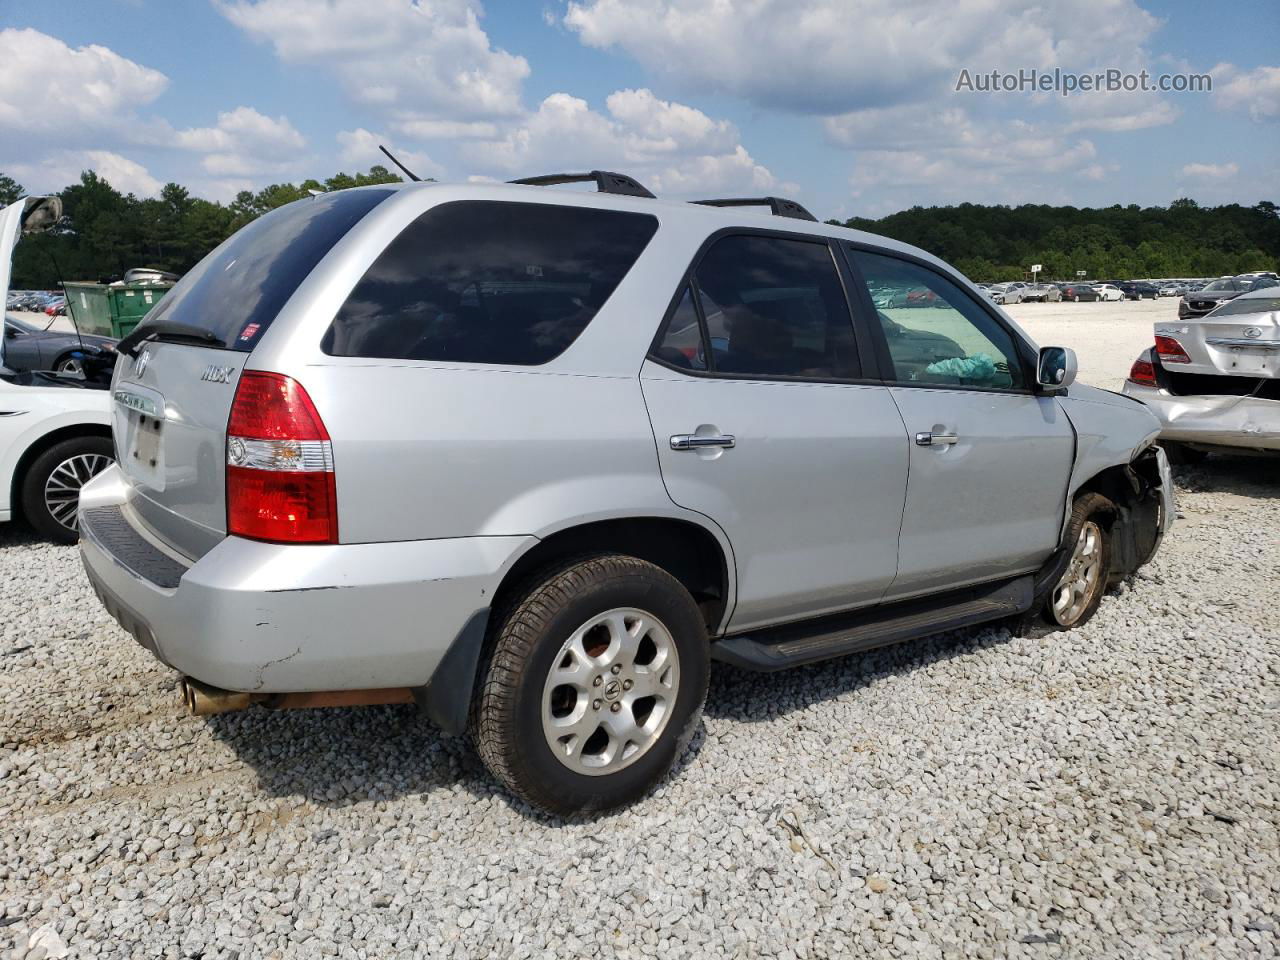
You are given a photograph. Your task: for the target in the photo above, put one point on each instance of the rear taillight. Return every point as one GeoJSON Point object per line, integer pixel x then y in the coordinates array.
{"type": "Point", "coordinates": [1170, 350]}
{"type": "Point", "coordinates": [1142, 372]}
{"type": "Point", "coordinates": [280, 482]}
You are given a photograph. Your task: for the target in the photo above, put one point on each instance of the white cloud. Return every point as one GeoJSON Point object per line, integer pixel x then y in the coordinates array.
{"type": "Point", "coordinates": [243, 143]}
{"type": "Point", "coordinates": [1256, 92]}
{"type": "Point", "coordinates": [834, 56]}
{"type": "Point", "coordinates": [1211, 171]}
{"type": "Point", "coordinates": [673, 148]}
{"type": "Point", "coordinates": [408, 59]}
{"type": "Point", "coordinates": [448, 129]}
{"type": "Point", "coordinates": [1118, 112]}
{"type": "Point", "coordinates": [923, 152]}
{"type": "Point", "coordinates": [50, 89]}
{"type": "Point", "coordinates": [61, 167]}
{"type": "Point", "coordinates": [359, 149]}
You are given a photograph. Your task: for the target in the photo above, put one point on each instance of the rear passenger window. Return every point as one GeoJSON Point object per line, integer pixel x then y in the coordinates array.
{"type": "Point", "coordinates": [771, 307]}
{"type": "Point", "coordinates": [489, 282]}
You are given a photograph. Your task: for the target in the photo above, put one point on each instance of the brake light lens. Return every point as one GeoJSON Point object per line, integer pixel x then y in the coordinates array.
{"type": "Point", "coordinates": [1143, 372]}
{"type": "Point", "coordinates": [1170, 350]}
{"type": "Point", "coordinates": [280, 479]}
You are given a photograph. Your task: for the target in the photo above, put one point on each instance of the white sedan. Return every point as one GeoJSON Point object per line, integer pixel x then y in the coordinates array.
{"type": "Point", "coordinates": [55, 432]}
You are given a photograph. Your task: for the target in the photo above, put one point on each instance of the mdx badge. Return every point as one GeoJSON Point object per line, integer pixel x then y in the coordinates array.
{"type": "Point", "coordinates": [216, 374]}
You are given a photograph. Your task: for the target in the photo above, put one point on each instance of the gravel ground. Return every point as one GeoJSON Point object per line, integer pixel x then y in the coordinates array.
{"type": "Point", "coordinates": [1109, 792]}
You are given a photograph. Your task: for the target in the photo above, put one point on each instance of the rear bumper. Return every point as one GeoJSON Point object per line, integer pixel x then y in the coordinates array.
{"type": "Point", "coordinates": [270, 618]}
{"type": "Point", "coordinates": [1248, 423]}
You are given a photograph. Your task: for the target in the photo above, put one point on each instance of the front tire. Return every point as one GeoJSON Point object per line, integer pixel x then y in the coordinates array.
{"type": "Point", "coordinates": [1077, 595]}
{"type": "Point", "coordinates": [594, 685]}
{"type": "Point", "coordinates": [51, 486]}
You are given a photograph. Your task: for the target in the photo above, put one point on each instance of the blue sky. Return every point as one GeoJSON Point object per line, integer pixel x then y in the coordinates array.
{"type": "Point", "coordinates": [848, 105]}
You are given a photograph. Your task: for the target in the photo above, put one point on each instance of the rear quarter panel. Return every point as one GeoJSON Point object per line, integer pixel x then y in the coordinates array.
{"type": "Point", "coordinates": [432, 449]}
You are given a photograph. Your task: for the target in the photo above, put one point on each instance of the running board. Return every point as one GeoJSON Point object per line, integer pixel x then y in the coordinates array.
{"type": "Point", "coordinates": [794, 644]}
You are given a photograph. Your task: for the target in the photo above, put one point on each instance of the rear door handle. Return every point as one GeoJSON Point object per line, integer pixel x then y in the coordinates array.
{"type": "Point", "coordinates": [691, 441]}
{"type": "Point", "coordinates": [935, 439]}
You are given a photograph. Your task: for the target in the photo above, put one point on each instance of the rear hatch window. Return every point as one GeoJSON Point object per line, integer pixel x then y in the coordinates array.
{"type": "Point", "coordinates": [236, 291]}
{"type": "Point", "coordinates": [489, 282]}
{"type": "Point", "coordinates": [173, 399]}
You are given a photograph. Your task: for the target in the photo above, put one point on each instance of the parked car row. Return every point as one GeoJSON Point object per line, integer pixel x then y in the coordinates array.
{"type": "Point", "coordinates": [32, 301]}
{"type": "Point", "coordinates": [1198, 297]}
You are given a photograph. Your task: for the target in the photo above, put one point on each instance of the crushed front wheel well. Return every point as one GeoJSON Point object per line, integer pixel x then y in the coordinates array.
{"type": "Point", "coordinates": [1134, 488]}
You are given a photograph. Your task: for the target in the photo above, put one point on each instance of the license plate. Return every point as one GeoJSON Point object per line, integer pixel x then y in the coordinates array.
{"type": "Point", "coordinates": [1253, 360]}
{"type": "Point", "coordinates": [143, 449]}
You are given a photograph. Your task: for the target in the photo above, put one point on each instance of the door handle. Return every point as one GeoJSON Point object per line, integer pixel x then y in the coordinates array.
{"type": "Point", "coordinates": [691, 441]}
{"type": "Point", "coordinates": [935, 439]}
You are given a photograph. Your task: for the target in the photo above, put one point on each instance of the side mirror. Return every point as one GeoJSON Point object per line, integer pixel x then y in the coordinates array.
{"type": "Point", "coordinates": [10, 332]}
{"type": "Point", "coordinates": [1056, 367]}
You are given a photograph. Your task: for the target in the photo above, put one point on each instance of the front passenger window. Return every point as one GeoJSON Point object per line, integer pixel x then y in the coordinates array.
{"type": "Point", "coordinates": [935, 332]}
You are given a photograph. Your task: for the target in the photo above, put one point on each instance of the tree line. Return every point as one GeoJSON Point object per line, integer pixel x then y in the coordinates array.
{"type": "Point", "coordinates": [1183, 239]}
{"type": "Point", "coordinates": [105, 232]}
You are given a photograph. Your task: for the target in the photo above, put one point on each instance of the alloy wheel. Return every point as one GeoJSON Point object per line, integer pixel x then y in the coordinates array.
{"type": "Point", "coordinates": [610, 691]}
{"type": "Point", "coordinates": [62, 489]}
{"type": "Point", "coordinates": [1083, 578]}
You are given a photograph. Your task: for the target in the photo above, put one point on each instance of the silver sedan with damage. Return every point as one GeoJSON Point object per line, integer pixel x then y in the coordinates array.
{"type": "Point", "coordinates": [1215, 382]}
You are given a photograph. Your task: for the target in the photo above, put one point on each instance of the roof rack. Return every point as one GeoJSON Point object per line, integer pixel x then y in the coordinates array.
{"type": "Point", "coordinates": [778, 206]}
{"type": "Point", "coordinates": [605, 182]}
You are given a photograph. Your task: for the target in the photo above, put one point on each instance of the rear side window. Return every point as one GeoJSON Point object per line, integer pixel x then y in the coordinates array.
{"type": "Point", "coordinates": [237, 290]}
{"type": "Point", "coordinates": [771, 307]}
{"type": "Point", "coordinates": [489, 282]}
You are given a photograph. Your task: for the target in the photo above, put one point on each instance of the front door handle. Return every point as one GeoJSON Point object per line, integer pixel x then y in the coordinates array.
{"type": "Point", "coordinates": [691, 441]}
{"type": "Point", "coordinates": [935, 439]}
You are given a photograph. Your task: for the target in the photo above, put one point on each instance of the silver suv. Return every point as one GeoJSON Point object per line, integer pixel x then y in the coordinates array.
{"type": "Point", "coordinates": [532, 458]}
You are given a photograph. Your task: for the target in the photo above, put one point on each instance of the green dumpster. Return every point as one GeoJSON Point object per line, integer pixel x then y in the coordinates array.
{"type": "Point", "coordinates": [111, 310]}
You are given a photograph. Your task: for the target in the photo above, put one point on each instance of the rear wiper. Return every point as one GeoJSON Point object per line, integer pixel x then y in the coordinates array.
{"type": "Point", "coordinates": [169, 330]}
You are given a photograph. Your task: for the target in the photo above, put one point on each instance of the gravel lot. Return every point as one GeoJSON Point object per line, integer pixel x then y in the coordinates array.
{"type": "Point", "coordinates": [1108, 792]}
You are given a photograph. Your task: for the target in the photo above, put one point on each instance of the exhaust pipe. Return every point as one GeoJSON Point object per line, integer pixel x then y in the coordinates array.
{"type": "Point", "coordinates": [203, 700]}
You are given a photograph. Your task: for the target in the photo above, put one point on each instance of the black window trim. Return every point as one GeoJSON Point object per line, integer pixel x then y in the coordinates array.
{"type": "Point", "coordinates": [1027, 358]}
{"type": "Point", "coordinates": [868, 364]}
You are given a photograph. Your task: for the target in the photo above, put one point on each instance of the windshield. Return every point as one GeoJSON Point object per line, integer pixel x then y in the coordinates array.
{"type": "Point", "coordinates": [1247, 305]}
{"type": "Point", "coordinates": [1229, 285]}
{"type": "Point", "coordinates": [237, 290]}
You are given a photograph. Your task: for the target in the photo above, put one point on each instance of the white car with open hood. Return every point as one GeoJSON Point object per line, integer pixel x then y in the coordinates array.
{"type": "Point", "coordinates": [55, 431]}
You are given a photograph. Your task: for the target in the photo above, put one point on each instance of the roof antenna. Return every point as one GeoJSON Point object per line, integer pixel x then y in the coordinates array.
{"type": "Point", "coordinates": [407, 172]}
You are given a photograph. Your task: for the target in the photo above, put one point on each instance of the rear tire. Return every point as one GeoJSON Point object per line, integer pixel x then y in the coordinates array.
{"type": "Point", "coordinates": [51, 486]}
{"type": "Point", "coordinates": [1076, 596]}
{"type": "Point", "coordinates": [594, 684]}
